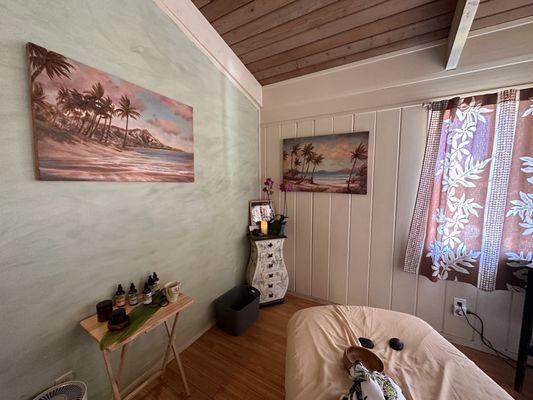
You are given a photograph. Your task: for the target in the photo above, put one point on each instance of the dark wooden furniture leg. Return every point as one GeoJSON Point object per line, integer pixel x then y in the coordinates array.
{"type": "Point", "coordinates": [525, 334]}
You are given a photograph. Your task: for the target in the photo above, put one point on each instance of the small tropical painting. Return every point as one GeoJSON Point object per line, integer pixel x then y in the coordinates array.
{"type": "Point", "coordinates": [330, 163]}
{"type": "Point", "coordinates": [92, 126]}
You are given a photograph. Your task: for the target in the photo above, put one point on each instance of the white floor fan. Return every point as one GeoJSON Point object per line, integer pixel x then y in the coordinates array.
{"type": "Point", "coordinates": [72, 390]}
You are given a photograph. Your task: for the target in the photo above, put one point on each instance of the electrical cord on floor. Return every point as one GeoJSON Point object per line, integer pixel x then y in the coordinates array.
{"type": "Point", "coordinates": [484, 340]}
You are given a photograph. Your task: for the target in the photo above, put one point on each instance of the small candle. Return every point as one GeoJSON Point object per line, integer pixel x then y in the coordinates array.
{"type": "Point", "coordinates": [264, 227]}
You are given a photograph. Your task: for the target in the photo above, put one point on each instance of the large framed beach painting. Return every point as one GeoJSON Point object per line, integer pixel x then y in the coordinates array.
{"type": "Point", "coordinates": [89, 125]}
{"type": "Point", "coordinates": [330, 163]}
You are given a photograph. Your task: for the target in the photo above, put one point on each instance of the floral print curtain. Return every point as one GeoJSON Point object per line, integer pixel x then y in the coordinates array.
{"type": "Point", "coordinates": [473, 219]}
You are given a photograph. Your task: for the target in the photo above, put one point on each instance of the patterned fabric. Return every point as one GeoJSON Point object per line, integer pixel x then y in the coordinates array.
{"type": "Point", "coordinates": [473, 219]}
{"type": "Point", "coordinates": [417, 233]}
{"type": "Point", "coordinates": [371, 386]}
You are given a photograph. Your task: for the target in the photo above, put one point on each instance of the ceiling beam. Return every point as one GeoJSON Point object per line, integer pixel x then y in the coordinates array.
{"type": "Point", "coordinates": [462, 21]}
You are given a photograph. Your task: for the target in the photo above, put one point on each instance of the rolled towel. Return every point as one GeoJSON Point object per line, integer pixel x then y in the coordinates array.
{"type": "Point", "coordinates": [369, 385]}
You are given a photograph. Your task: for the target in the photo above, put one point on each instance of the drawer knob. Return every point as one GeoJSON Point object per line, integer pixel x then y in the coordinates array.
{"type": "Point", "coordinates": [270, 245]}
{"type": "Point", "coordinates": [271, 295]}
{"type": "Point", "coordinates": [270, 275]}
{"type": "Point", "coordinates": [270, 255]}
{"type": "Point", "coordinates": [270, 265]}
{"type": "Point", "coordinates": [270, 285]}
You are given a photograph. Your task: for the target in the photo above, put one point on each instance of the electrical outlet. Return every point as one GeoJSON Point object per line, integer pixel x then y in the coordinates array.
{"type": "Point", "coordinates": [459, 307]}
{"type": "Point", "coordinates": [67, 376]}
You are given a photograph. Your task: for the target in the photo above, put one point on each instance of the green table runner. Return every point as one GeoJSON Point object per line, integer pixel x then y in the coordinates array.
{"type": "Point", "coordinates": [138, 316]}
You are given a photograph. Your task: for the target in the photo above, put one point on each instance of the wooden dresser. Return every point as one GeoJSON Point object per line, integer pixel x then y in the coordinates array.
{"type": "Point", "coordinates": [266, 269]}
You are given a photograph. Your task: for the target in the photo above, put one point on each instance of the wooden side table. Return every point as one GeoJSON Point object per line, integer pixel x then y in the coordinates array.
{"type": "Point", "coordinates": [97, 330]}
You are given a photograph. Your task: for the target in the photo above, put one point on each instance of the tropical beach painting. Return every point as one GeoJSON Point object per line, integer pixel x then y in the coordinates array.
{"type": "Point", "coordinates": [330, 163]}
{"type": "Point", "coordinates": [92, 126]}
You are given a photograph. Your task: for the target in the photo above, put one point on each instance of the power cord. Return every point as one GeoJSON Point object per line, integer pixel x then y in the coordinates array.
{"type": "Point", "coordinates": [484, 340]}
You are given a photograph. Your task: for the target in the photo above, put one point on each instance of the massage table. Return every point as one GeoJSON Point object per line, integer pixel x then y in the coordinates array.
{"type": "Point", "coordinates": [428, 368]}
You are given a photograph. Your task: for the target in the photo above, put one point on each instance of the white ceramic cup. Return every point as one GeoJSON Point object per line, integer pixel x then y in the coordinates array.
{"type": "Point", "coordinates": [172, 291]}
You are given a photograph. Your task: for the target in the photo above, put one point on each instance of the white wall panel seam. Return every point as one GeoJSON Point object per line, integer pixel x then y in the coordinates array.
{"type": "Point", "coordinates": [398, 144]}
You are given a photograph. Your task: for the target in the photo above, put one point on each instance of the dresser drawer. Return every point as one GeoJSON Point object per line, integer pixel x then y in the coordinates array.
{"type": "Point", "coordinates": [269, 246]}
{"type": "Point", "coordinates": [272, 276]}
{"type": "Point", "coordinates": [269, 257]}
{"type": "Point", "coordinates": [272, 265]}
{"type": "Point", "coordinates": [271, 291]}
{"type": "Point", "coordinates": [269, 286]}
{"type": "Point", "coordinates": [269, 296]}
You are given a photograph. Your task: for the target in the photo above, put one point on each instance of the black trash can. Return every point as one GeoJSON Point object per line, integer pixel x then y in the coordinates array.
{"type": "Point", "coordinates": [237, 309]}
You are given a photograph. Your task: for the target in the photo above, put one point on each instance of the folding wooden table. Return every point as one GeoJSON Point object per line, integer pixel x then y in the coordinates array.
{"type": "Point", "coordinates": [98, 329]}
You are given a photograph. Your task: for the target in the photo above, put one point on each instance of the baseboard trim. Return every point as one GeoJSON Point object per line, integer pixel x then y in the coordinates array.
{"type": "Point", "coordinates": [315, 299]}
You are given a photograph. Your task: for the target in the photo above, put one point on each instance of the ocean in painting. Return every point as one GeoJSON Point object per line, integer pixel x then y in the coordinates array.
{"type": "Point", "coordinates": [329, 163]}
{"type": "Point", "coordinates": [92, 126]}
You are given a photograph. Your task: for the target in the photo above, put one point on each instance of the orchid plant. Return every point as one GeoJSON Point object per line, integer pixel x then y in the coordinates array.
{"type": "Point", "coordinates": [285, 188]}
{"type": "Point", "coordinates": [268, 185]}
{"type": "Point", "coordinates": [277, 225]}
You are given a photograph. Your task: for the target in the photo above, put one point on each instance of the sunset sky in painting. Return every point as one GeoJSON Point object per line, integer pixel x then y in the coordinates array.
{"type": "Point", "coordinates": [168, 120]}
{"type": "Point", "coordinates": [335, 148]}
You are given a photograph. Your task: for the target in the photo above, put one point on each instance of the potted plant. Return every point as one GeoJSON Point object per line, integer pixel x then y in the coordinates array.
{"type": "Point", "coordinates": [284, 188]}
{"type": "Point", "coordinates": [276, 226]}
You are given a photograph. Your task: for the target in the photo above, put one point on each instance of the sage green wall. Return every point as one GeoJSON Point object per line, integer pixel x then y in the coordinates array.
{"type": "Point", "coordinates": [64, 245]}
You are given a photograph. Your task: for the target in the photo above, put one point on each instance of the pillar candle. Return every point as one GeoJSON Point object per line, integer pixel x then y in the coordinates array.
{"type": "Point", "coordinates": [264, 227]}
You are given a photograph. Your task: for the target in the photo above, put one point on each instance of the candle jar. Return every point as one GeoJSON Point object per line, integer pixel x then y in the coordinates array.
{"type": "Point", "coordinates": [104, 310]}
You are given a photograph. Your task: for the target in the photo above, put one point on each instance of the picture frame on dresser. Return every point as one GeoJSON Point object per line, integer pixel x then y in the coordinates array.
{"type": "Point", "coordinates": [259, 210]}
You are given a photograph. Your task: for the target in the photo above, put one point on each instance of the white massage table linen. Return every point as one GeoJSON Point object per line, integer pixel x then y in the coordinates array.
{"type": "Point", "coordinates": [428, 368]}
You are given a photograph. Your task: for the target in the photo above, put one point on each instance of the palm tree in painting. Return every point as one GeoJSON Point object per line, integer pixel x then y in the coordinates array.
{"type": "Point", "coordinates": [63, 95]}
{"type": "Point", "coordinates": [67, 106]}
{"type": "Point", "coordinates": [102, 110]}
{"type": "Point", "coordinates": [307, 155]}
{"type": "Point", "coordinates": [112, 114]}
{"type": "Point", "coordinates": [297, 163]}
{"type": "Point", "coordinates": [362, 171]}
{"type": "Point", "coordinates": [309, 160]}
{"type": "Point", "coordinates": [94, 97]}
{"type": "Point", "coordinates": [109, 111]}
{"type": "Point", "coordinates": [43, 60]}
{"type": "Point", "coordinates": [54, 113]}
{"type": "Point", "coordinates": [360, 153]}
{"type": "Point", "coordinates": [126, 110]}
{"type": "Point", "coordinates": [80, 102]}
{"type": "Point", "coordinates": [70, 109]}
{"type": "Point", "coordinates": [294, 153]}
{"type": "Point", "coordinates": [317, 160]}
{"type": "Point", "coordinates": [38, 97]}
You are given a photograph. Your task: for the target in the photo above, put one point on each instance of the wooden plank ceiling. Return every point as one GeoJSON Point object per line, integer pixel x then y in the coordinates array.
{"type": "Point", "coordinates": [283, 39]}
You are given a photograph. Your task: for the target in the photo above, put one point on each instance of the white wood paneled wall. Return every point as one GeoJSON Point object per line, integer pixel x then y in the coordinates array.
{"type": "Point", "coordinates": [349, 249]}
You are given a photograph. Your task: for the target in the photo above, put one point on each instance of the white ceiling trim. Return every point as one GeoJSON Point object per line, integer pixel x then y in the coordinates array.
{"type": "Point", "coordinates": [191, 21]}
{"type": "Point", "coordinates": [501, 58]}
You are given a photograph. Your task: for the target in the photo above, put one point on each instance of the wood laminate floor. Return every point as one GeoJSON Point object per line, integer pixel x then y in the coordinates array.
{"type": "Point", "coordinates": [252, 367]}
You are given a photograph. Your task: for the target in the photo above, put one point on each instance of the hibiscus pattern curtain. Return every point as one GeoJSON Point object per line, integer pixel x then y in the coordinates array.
{"type": "Point", "coordinates": [473, 219]}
